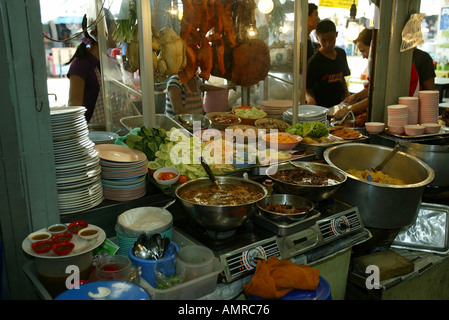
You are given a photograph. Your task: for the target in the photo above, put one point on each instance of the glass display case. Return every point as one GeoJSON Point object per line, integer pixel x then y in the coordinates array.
{"type": "Point", "coordinates": [134, 84]}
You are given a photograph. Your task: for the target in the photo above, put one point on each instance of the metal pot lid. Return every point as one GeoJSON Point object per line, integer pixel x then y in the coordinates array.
{"type": "Point", "coordinates": [105, 290]}
{"type": "Point", "coordinates": [308, 111]}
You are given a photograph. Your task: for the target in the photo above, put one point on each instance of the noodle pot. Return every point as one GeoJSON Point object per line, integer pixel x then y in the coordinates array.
{"type": "Point", "coordinates": [383, 206]}
{"type": "Point", "coordinates": [314, 193]}
{"type": "Point", "coordinates": [220, 217]}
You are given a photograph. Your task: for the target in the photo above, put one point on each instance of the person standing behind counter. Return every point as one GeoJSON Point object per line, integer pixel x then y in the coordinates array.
{"type": "Point", "coordinates": [187, 97]}
{"type": "Point", "coordinates": [312, 22]}
{"type": "Point", "coordinates": [84, 73]}
{"type": "Point", "coordinates": [422, 75]}
{"type": "Point", "coordinates": [327, 69]}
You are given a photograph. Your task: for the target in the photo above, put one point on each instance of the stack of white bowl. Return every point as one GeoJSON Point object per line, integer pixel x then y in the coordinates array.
{"type": "Point", "coordinates": [307, 113]}
{"type": "Point", "coordinates": [397, 118]}
{"type": "Point", "coordinates": [76, 161]}
{"type": "Point", "coordinates": [428, 106]}
{"type": "Point", "coordinates": [123, 172]}
{"type": "Point", "coordinates": [276, 107]}
{"type": "Point", "coordinates": [412, 104]}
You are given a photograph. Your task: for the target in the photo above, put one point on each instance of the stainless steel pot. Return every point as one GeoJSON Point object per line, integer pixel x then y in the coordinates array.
{"type": "Point", "coordinates": [313, 193]}
{"type": "Point", "coordinates": [435, 155]}
{"type": "Point", "coordinates": [382, 206]}
{"type": "Point", "coordinates": [220, 218]}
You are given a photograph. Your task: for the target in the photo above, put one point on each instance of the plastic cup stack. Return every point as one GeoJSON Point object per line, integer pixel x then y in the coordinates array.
{"type": "Point", "coordinates": [428, 106]}
{"type": "Point", "coordinates": [412, 104]}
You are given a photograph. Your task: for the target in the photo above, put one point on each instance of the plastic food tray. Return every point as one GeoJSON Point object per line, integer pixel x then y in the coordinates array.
{"type": "Point", "coordinates": [189, 290]}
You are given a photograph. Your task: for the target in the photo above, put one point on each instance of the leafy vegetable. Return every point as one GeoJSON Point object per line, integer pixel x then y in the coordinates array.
{"type": "Point", "coordinates": [252, 113]}
{"type": "Point", "coordinates": [147, 140]}
{"type": "Point", "coordinates": [309, 129]}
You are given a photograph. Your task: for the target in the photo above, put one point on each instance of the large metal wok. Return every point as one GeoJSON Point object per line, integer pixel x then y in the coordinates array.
{"type": "Point", "coordinates": [303, 205]}
{"type": "Point", "coordinates": [314, 193]}
{"type": "Point", "coordinates": [220, 217]}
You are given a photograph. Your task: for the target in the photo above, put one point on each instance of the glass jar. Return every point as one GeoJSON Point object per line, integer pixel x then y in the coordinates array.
{"type": "Point", "coordinates": [116, 267]}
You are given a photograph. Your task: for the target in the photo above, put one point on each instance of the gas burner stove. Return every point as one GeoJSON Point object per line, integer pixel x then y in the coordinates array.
{"type": "Point", "coordinates": [259, 239]}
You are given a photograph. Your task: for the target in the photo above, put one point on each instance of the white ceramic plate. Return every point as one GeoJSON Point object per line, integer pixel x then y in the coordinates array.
{"type": "Point", "coordinates": [81, 246]}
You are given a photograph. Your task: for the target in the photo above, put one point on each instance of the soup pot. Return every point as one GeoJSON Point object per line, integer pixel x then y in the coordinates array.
{"type": "Point", "coordinates": [436, 155]}
{"type": "Point", "coordinates": [383, 206]}
{"type": "Point", "coordinates": [220, 217]}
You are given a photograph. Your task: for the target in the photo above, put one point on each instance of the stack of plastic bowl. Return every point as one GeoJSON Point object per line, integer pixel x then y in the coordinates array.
{"type": "Point", "coordinates": [397, 118]}
{"type": "Point", "coordinates": [149, 220]}
{"type": "Point", "coordinates": [412, 104]}
{"type": "Point", "coordinates": [428, 106]}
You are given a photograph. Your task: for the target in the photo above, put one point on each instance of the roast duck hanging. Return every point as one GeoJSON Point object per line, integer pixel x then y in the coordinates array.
{"type": "Point", "coordinates": [216, 42]}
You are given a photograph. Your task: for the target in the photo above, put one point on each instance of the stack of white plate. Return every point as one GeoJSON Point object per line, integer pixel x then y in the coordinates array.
{"type": "Point", "coordinates": [76, 161]}
{"type": "Point", "coordinates": [123, 172]}
{"type": "Point", "coordinates": [307, 113]}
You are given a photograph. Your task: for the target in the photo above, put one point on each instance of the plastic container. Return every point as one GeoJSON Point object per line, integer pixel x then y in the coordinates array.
{"type": "Point", "coordinates": [52, 273]}
{"type": "Point", "coordinates": [189, 290]}
{"type": "Point", "coordinates": [167, 264]}
{"type": "Point", "coordinates": [196, 261]}
{"type": "Point", "coordinates": [216, 101]}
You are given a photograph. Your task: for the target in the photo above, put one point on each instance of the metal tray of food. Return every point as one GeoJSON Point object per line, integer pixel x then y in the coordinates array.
{"type": "Point", "coordinates": [430, 231]}
{"type": "Point", "coordinates": [285, 229]}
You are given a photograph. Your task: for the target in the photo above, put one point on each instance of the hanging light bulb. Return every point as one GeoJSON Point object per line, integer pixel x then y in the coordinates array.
{"type": "Point", "coordinates": [265, 6]}
{"type": "Point", "coordinates": [283, 29]}
{"type": "Point", "coordinates": [173, 11]}
{"type": "Point", "coordinates": [251, 31]}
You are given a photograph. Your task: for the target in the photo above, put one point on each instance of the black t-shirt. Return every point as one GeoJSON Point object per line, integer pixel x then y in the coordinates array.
{"type": "Point", "coordinates": [424, 65]}
{"type": "Point", "coordinates": [325, 76]}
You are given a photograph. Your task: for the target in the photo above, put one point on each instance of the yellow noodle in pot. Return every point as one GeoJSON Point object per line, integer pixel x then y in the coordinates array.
{"type": "Point", "coordinates": [378, 176]}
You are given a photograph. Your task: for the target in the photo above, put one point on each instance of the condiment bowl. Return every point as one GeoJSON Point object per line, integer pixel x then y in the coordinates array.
{"type": "Point", "coordinates": [57, 228]}
{"type": "Point", "coordinates": [375, 127]}
{"type": "Point", "coordinates": [222, 120]}
{"type": "Point", "coordinates": [248, 121]}
{"type": "Point", "coordinates": [42, 246]}
{"type": "Point", "coordinates": [282, 140]}
{"type": "Point", "coordinates": [88, 233]}
{"type": "Point", "coordinates": [414, 129]}
{"type": "Point", "coordinates": [157, 176]}
{"type": "Point", "coordinates": [396, 129]}
{"type": "Point", "coordinates": [431, 127]}
{"type": "Point", "coordinates": [76, 226]}
{"type": "Point", "coordinates": [63, 248]}
{"type": "Point", "coordinates": [62, 237]}
{"type": "Point", "coordinates": [39, 236]}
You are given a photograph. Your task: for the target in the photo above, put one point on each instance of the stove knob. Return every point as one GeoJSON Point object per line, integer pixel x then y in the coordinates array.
{"type": "Point", "coordinates": [255, 255]}
{"type": "Point", "coordinates": [342, 225]}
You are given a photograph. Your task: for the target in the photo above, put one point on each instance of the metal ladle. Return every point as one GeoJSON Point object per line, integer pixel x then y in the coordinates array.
{"type": "Point", "coordinates": [387, 158]}
{"type": "Point", "coordinates": [209, 172]}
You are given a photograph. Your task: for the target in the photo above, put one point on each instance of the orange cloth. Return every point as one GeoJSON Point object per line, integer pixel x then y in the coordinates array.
{"type": "Point", "coordinates": [275, 278]}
